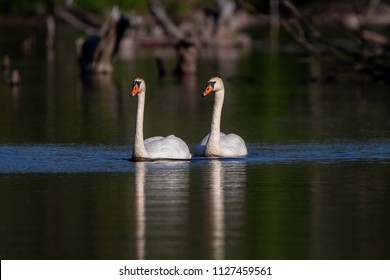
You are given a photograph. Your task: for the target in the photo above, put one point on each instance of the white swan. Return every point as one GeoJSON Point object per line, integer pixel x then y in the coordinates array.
{"type": "Point", "coordinates": [158, 147]}
{"type": "Point", "coordinates": [216, 143]}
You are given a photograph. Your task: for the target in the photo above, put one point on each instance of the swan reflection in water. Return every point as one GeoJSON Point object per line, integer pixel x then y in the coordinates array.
{"type": "Point", "coordinates": [140, 210]}
{"type": "Point", "coordinates": [161, 201]}
{"type": "Point", "coordinates": [227, 180]}
{"type": "Point", "coordinates": [164, 228]}
{"type": "Point", "coordinates": [217, 210]}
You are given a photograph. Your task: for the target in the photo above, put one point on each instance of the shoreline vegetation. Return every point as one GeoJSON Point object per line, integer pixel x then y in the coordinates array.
{"type": "Point", "coordinates": [319, 12]}
{"type": "Point", "coordinates": [188, 26]}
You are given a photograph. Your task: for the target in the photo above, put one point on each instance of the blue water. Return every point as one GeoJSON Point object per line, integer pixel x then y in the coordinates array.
{"type": "Point", "coordinates": [61, 158]}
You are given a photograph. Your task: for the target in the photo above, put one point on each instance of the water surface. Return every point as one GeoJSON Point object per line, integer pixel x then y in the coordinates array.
{"type": "Point", "coordinates": [315, 184]}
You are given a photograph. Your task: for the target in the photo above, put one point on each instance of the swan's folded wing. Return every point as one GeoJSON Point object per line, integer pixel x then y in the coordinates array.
{"type": "Point", "coordinates": [170, 147]}
{"type": "Point", "coordinates": [153, 140]}
{"type": "Point", "coordinates": [233, 145]}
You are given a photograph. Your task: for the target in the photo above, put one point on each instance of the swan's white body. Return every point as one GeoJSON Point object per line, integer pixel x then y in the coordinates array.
{"type": "Point", "coordinates": [216, 143]}
{"type": "Point", "coordinates": [170, 147]}
{"type": "Point", "coordinates": [231, 145]}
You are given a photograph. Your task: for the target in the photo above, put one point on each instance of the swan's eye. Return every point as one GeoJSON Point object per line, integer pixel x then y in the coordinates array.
{"type": "Point", "coordinates": [136, 87]}
{"type": "Point", "coordinates": [212, 84]}
{"type": "Point", "coordinates": [209, 88]}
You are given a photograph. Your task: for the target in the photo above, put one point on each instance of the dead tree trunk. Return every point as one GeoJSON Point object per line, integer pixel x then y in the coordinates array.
{"type": "Point", "coordinates": [102, 57]}
{"type": "Point", "coordinates": [185, 46]}
{"type": "Point", "coordinates": [97, 51]}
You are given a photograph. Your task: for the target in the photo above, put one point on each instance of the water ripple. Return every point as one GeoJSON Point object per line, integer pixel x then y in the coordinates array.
{"type": "Point", "coordinates": [54, 158]}
{"type": "Point", "coordinates": [367, 150]}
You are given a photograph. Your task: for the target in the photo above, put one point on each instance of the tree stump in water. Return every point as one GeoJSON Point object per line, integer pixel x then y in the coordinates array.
{"type": "Point", "coordinates": [102, 57]}
{"type": "Point", "coordinates": [217, 27]}
{"type": "Point", "coordinates": [97, 51]}
{"type": "Point", "coordinates": [185, 47]}
{"type": "Point", "coordinates": [187, 55]}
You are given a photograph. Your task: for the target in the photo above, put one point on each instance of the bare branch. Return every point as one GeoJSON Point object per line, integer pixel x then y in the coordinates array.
{"type": "Point", "coordinates": [170, 29]}
{"type": "Point", "coordinates": [304, 31]}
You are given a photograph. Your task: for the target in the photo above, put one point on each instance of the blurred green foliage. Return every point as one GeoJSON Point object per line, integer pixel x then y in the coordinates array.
{"type": "Point", "coordinates": [176, 8]}
{"type": "Point", "coordinates": [22, 7]}
{"type": "Point", "coordinates": [101, 5]}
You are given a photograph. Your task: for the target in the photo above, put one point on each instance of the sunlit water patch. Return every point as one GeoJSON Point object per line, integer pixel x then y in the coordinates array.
{"type": "Point", "coordinates": [106, 158]}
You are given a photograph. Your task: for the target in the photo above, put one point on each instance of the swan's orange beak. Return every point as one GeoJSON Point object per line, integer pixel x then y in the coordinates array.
{"type": "Point", "coordinates": [135, 90]}
{"type": "Point", "coordinates": [208, 89]}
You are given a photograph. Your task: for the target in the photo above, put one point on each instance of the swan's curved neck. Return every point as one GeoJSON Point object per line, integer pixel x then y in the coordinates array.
{"type": "Point", "coordinates": [213, 144]}
{"type": "Point", "coordinates": [139, 150]}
